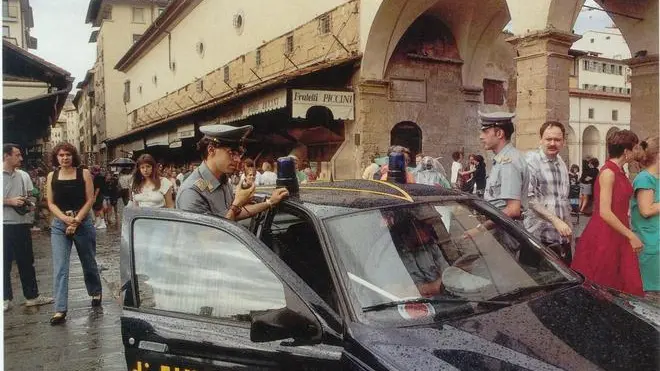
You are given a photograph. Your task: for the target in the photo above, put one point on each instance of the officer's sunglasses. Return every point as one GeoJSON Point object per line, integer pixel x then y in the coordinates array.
{"type": "Point", "coordinates": [236, 153]}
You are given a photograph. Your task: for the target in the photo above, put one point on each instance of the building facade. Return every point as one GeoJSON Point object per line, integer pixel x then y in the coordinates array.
{"type": "Point", "coordinates": [600, 91]}
{"type": "Point", "coordinates": [17, 20]}
{"type": "Point", "coordinates": [87, 120]}
{"type": "Point", "coordinates": [120, 24]}
{"type": "Point", "coordinates": [296, 77]}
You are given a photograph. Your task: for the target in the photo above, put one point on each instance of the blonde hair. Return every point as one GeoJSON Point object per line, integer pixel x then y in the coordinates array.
{"type": "Point", "coordinates": [650, 151]}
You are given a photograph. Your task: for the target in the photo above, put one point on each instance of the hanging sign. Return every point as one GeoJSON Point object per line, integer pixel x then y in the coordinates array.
{"type": "Point", "coordinates": [340, 103]}
{"type": "Point", "coordinates": [264, 103]}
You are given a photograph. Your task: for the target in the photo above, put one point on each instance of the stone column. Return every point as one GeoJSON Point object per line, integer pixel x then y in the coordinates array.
{"type": "Point", "coordinates": [543, 68]}
{"type": "Point", "coordinates": [472, 97]}
{"type": "Point", "coordinates": [371, 107]}
{"type": "Point", "coordinates": [644, 98]}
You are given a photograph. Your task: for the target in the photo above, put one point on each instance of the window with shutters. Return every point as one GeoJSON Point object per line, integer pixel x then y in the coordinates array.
{"type": "Point", "coordinates": [591, 113]}
{"type": "Point", "coordinates": [493, 92]}
{"type": "Point", "coordinates": [615, 115]}
{"type": "Point", "coordinates": [325, 24]}
{"type": "Point", "coordinates": [127, 91]}
{"type": "Point", "coordinates": [288, 47]}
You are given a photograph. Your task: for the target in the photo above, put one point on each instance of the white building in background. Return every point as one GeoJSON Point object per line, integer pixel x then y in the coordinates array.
{"type": "Point", "coordinates": [599, 93]}
{"type": "Point", "coordinates": [607, 43]}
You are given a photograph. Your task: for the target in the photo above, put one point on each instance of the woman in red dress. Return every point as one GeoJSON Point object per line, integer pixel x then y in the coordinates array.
{"type": "Point", "coordinates": [607, 250]}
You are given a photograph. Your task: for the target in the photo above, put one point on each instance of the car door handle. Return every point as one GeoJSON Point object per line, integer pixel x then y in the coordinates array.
{"type": "Point", "coordinates": [152, 346]}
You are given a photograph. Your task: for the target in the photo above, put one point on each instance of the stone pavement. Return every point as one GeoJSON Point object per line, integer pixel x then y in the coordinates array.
{"type": "Point", "coordinates": [89, 340]}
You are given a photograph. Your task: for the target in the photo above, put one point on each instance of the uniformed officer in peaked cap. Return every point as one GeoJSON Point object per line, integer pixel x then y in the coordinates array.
{"type": "Point", "coordinates": [506, 187]}
{"type": "Point", "coordinates": [207, 189]}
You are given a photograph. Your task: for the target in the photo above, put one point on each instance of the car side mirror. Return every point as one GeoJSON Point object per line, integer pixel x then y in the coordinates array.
{"type": "Point", "coordinates": [284, 323]}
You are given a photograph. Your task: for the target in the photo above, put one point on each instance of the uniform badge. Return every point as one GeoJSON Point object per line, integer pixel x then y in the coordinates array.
{"type": "Point", "coordinates": [202, 184]}
{"type": "Point", "coordinates": [505, 160]}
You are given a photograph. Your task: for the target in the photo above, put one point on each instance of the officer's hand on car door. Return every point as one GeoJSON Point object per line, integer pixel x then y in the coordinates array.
{"type": "Point", "coordinates": [278, 195]}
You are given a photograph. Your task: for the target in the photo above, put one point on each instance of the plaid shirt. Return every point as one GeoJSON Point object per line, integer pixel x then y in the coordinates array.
{"type": "Point", "coordinates": [548, 186]}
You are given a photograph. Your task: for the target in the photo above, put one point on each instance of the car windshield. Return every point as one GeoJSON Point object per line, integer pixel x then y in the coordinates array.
{"type": "Point", "coordinates": [437, 250]}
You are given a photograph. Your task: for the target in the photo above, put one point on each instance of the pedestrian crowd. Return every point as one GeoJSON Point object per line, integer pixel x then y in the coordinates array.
{"type": "Point", "coordinates": [619, 247]}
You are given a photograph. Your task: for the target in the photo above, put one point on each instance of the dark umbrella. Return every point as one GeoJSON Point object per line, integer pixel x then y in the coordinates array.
{"type": "Point", "coordinates": [122, 162]}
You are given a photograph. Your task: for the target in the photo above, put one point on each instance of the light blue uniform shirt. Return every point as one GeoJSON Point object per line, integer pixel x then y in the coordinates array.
{"type": "Point", "coordinates": [509, 178]}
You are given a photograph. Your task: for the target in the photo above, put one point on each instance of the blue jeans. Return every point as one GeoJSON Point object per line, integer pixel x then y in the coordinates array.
{"type": "Point", "coordinates": [85, 241]}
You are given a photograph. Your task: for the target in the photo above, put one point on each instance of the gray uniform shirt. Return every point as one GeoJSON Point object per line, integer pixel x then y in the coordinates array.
{"type": "Point", "coordinates": [16, 183]}
{"type": "Point", "coordinates": [509, 178]}
{"type": "Point", "coordinates": [202, 193]}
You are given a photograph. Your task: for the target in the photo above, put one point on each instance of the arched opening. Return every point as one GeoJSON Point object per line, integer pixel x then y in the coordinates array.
{"type": "Point", "coordinates": [590, 142]}
{"type": "Point", "coordinates": [474, 24]}
{"type": "Point", "coordinates": [409, 135]}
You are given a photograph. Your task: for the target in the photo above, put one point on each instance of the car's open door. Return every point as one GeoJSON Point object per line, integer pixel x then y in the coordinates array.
{"type": "Point", "coordinates": [203, 293]}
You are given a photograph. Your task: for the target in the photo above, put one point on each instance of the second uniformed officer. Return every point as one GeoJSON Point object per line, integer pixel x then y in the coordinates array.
{"type": "Point", "coordinates": [207, 189]}
{"type": "Point", "coordinates": [506, 187]}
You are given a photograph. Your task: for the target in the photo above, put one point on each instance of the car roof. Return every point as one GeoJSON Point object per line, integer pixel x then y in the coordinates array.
{"type": "Point", "coordinates": [363, 194]}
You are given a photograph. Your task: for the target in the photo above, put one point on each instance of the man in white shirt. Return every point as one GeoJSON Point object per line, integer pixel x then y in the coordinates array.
{"type": "Point", "coordinates": [456, 167]}
{"type": "Point", "coordinates": [17, 220]}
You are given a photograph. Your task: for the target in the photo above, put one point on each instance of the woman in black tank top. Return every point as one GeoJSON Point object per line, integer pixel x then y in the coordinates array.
{"type": "Point", "coordinates": [70, 193]}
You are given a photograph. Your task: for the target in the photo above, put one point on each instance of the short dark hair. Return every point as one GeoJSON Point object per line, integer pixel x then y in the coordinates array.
{"type": "Point", "coordinates": [248, 162]}
{"type": "Point", "coordinates": [67, 147]}
{"type": "Point", "coordinates": [507, 129]}
{"type": "Point", "coordinates": [8, 148]}
{"type": "Point", "coordinates": [575, 167]}
{"type": "Point", "coordinates": [593, 161]}
{"type": "Point", "coordinates": [456, 155]}
{"type": "Point", "coordinates": [620, 141]}
{"type": "Point", "coordinates": [552, 124]}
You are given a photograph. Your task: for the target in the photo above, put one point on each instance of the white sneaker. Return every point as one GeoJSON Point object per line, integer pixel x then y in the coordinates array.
{"type": "Point", "coordinates": [7, 305]}
{"type": "Point", "coordinates": [102, 225]}
{"type": "Point", "coordinates": [39, 300]}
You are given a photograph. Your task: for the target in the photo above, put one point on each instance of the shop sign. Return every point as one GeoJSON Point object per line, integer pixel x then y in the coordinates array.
{"type": "Point", "coordinates": [158, 139]}
{"type": "Point", "coordinates": [138, 145]}
{"type": "Point", "coordinates": [340, 103]}
{"type": "Point", "coordinates": [265, 103]}
{"type": "Point", "coordinates": [176, 144]}
{"type": "Point", "coordinates": [186, 131]}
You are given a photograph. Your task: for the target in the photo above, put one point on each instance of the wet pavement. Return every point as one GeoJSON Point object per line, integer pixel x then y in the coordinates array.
{"type": "Point", "coordinates": [90, 339]}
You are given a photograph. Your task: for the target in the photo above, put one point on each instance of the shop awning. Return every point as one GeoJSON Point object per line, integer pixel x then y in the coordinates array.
{"type": "Point", "coordinates": [340, 103]}
{"type": "Point", "coordinates": [186, 131]}
{"type": "Point", "coordinates": [158, 139]}
{"type": "Point", "coordinates": [264, 103]}
{"type": "Point", "coordinates": [137, 145]}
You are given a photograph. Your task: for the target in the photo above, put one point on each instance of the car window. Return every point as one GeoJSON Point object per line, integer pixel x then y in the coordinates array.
{"type": "Point", "coordinates": [195, 269]}
{"type": "Point", "coordinates": [295, 241]}
{"type": "Point", "coordinates": [432, 250]}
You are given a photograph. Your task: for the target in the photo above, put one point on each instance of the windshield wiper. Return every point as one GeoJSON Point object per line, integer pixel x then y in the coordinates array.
{"type": "Point", "coordinates": [523, 291]}
{"type": "Point", "coordinates": [435, 301]}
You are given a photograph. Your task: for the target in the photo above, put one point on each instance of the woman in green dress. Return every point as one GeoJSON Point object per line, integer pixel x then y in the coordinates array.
{"type": "Point", "coordinates": [645, 217]}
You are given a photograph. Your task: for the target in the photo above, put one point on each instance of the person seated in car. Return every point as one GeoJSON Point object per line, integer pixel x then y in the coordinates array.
{"type": "Point", "coordinates": [422, 257]}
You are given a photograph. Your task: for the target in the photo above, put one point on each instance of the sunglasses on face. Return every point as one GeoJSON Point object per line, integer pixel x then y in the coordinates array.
{"type": "Point", "coordinates": [237, 153]}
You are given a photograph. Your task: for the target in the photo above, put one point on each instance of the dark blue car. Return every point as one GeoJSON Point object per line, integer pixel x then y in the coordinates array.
{"type": "Point", "coordinates": [367, 275]}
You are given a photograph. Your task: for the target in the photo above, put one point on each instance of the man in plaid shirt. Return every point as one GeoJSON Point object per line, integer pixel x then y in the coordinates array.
{"type": "Point", "coordinates": [548, 215]}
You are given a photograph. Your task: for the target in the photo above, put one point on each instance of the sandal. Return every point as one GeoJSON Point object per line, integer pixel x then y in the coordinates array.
{"type": "Point", "coordinates": [58, 318]}
{"type": "Point", "coordinates": [96, 302]}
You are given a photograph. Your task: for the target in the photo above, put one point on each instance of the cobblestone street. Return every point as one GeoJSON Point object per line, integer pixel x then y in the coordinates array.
{"type": "Point", "coordinates": [89, 340]}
